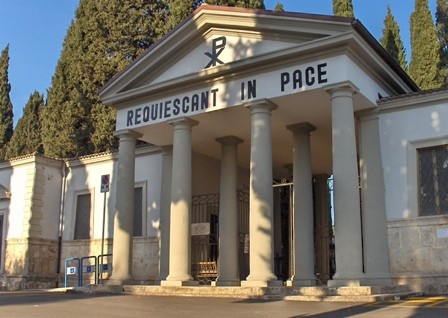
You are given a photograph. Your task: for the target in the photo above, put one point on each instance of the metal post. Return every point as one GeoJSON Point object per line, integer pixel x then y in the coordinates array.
{"type": "Point", "coordinates": [100, 278]}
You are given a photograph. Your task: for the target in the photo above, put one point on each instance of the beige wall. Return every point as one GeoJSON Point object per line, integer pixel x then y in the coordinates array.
{"type": "Point", "coordinates": [419, 252]}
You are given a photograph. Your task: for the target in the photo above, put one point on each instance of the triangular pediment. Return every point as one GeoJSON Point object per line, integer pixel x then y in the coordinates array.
{"type": "Point", "coordinates": [213, 40]}
{"type": "Point", "coordinates": [4, 193]}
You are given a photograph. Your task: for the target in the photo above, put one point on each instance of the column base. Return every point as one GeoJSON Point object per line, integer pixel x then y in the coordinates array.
{"type": "Point", "coordinates": [226, 283]}
{"type": "Point", "coordinates": [301, 282]}
{"type": "Point", "coordinates": [261, 283]}
{"type": "Point", "coordinates": [178, 283]}
{"type": "Point", "coordinates": [118, 282]}
{"type": "Point", "coordinates": [344, 282]}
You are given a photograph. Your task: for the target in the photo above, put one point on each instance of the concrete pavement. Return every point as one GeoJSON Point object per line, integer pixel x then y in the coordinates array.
{"type": "Point", "coordinates": [45, 304]}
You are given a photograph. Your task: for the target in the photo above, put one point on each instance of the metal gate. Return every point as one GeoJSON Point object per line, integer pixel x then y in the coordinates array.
{"type": "Point", "coordinates": [205, 225]}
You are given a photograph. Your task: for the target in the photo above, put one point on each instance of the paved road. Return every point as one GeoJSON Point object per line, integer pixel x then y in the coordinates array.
{"type": "Point", "coordinates": [39, 304]}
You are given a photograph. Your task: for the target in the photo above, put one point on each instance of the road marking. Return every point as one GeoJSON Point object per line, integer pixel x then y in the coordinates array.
{"type": "Point", "coordinates": [415, 302]}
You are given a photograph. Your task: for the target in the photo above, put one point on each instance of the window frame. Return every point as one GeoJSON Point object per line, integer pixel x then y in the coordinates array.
{"type": "Point", "coordinates": [413, 173]}
{"type": "Point", "coordinates": [92, 212]}
{"type": "Point", "coordinates": [3, 214]}
{"type": "Point", "coordinates": [142, 185]}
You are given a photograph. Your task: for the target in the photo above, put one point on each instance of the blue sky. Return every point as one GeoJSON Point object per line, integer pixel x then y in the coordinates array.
{"type": "Point", "coordinates": [35, 30]}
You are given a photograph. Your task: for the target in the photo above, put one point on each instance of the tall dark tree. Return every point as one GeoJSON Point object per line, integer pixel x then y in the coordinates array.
{"type": "Point", "coordinates": [391, 39]}
{"type": "Point", "coordinates": [442, 32]}
{"type": "Point", "coordinates": [425, 58]}
{"type": "Point", "coordinates": [6, 109]}
{"type": "Point", "coordinates": [343, 8]}
{"type": "Point", "coordinates": [103, 38]}
{"type": "Point", "coordinates": [27, 137]}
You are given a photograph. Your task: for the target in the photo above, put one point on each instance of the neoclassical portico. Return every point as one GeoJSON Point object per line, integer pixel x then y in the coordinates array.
{"type": "Point", "coordinates": [306, 96]}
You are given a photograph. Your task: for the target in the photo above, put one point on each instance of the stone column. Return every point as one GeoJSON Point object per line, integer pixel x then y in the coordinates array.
{"type": "Point", "coordinates": [165, 205]}
{"type": "Point", "coordinates": [228, 261]}
{"type": "Point", "coordinates": [124, 209]}
{"type": "Point", "coordinates": [304, 271]}
{"type": "Point", "coordinates": [347, 223]}
{"type": "Point", "coordinates": [261, 254]}
{"type": "Point", "coordinates": [376, 247]}
{"type": "Point", "coordinates": [180, 241]}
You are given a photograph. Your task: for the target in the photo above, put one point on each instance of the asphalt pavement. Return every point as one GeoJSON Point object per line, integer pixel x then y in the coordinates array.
{"type": "Point", "coordinates": [48, 304]}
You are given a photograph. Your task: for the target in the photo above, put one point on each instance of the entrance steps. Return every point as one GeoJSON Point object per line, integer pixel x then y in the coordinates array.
{"type": "Point", "coordinates": [337, 294]}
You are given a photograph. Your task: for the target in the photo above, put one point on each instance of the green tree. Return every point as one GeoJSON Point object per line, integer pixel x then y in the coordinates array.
{"type": "Point", "coordinates": [180, 10]}
{"type": "Point", "coordinates": [250, 4]}
{"type": "Point", "coordinates": [104, 37]}
{"type": "Point", "coordinates": [442, 32]}
{"type": "Point", "coordinates": [27, 135]}
{"type": "Point", "coordinates": [279, 7]}
{"type": "Point", "coordinates": [343, 8]}
{"type": "Point", "coordinates": [425, 58]}
{"type": "Point", "coordinates": [6, 109]}
{"type": "Point", "coordinates": [391, 39]}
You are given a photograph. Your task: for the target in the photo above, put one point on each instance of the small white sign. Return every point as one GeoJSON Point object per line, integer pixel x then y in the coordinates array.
{"type": "Point", "coordinates": [442, 233]}
{"type": "Point", "coordinates": [71, 270]}
{"type": "Point", "coordinates": [200, 229]}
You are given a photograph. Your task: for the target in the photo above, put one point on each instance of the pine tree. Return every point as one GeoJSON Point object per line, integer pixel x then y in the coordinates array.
{"type": "Point", "coordinates": [391, 39]}
{"type": "Point", "coordinates": [343, 8]}
{"type": "Point", "coordinates": [104, 37]}
{"type": "Point", "coordinates": [425, 58]}
{"type": "Point", "coordinates": [27, 135]}
{"type": "Point", "coordinates": [442, 32]}
{"type": "Point", "coordinates": [6, 109]}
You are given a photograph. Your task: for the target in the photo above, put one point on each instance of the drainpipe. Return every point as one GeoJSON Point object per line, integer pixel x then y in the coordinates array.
{"type": "Point", "coordinates": [65, 171]}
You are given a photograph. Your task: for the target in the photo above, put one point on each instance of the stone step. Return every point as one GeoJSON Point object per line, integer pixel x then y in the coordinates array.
{"type": "Point", "coordinates": [341, 294]}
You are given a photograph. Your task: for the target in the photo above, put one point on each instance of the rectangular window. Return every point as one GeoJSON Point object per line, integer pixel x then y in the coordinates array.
{"type": "Point", "coordinates": [83, 217]}
{"type": "Point", "coordinates": [433, 180]}
{"type": "Point", "coordinates": [138, 209]}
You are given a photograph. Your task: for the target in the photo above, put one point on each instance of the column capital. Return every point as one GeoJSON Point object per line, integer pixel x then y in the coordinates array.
{"type": "Point", "coordinates": [301, 128]}
{"type": "Point", "coordinates": [229, 140]}
{"type": "Point", "coordinates": [264, 103]}
{"type": "Point", "coordinates": [183, 120]}
{"type": "Point", "coordinates": [127, 133]}
{"type": "Point", "coordinates": [341, 88]}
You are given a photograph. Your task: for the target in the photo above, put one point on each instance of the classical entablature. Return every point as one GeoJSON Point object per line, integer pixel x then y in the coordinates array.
{"type": "Point", "coordinates": [221, 58]}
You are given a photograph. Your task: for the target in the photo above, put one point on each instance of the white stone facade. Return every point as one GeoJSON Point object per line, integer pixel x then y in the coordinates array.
{"type": "Point", "coordinates": [290, 108]}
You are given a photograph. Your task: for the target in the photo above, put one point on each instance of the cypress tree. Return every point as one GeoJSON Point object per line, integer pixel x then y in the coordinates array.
{"type": "Point", "coordinates": [180, 10]}
{"type": "Point", "coordinates": [343, 8]}
{"type": "Point", "coordinates": [6, 109]}
{"type": "Point", "coordinates": [250, 4]}
{"type": "Point", "coordinates": [27, 135]}
{"type": "Point", "coordinates": [391, 39]}
{"type": "Point", "coordinates": [104, 37]}
{"type": "Point", "coordinates": [442, 32]}
{"type": "Point", "coordinates": [279, 7]}
{"type": "Point", "coordinates": [425, 58]}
